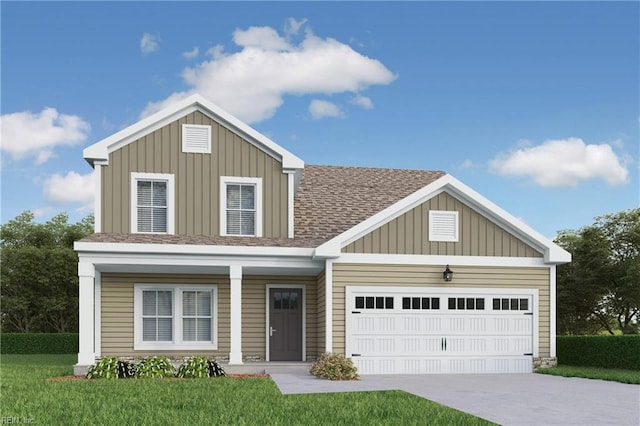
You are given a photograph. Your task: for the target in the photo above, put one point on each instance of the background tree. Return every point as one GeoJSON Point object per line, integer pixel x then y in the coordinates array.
{"type": "Point", "coordinates": [622, 301]}
{"type": "Point", "coordinates": [600, 288]}
{"type": "Point", "coordinates": [38, 276]}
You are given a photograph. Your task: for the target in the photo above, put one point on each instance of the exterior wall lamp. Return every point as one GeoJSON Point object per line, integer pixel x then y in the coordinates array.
{"type": "Point", "coordinates": [447, 275]}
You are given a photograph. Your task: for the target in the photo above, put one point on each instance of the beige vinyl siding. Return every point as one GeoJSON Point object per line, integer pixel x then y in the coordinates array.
{"type": "Point", "coordinates": [321, 313]}
{"type": "Point", "coordinates": [117, 312]}
{"type": "Point", "coordinates": [408, 234]}
{"type": "Point", "coordinates": [431, 276]}
{"type": "Point", "coordinates": [254, 293]}
{"type": "Point", "coordinates": [197, 183]}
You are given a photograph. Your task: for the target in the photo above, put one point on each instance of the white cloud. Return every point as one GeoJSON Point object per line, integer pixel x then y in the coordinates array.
{"type": "Point", "coordinates": [28, 134]}
{"type": "Point", "coordinates": [467, 164]}
{"type": "Point", "coordinates": [292, 26]}
{"type": "Point", "coordinates": [320, 109]}
{"type": "Point", "coordinates": [263, 38]}
{"type": "Point", "coordinates": [216, 52]}
{"type": "Point", "coordinates": [149, 43]}
{"type": "Point", "coordinates": [190, 54]}
{"type": "Point", "coordinates": [42, 212]}
{"type": "Point", "coordinates": [563, 163]}
{"type": "Point", "coordinates": [71, 188]}
{"type": "Point", "coordinates": [362, 102]}
{"type": "Point", "coordinates": [252, 82]}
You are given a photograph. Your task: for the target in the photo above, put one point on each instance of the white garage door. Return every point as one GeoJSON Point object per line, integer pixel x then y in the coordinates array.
{"type": "Point", "coordinates": [391, 330]}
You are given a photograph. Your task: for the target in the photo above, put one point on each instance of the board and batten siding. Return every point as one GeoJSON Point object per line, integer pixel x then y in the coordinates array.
{"type": "Point", "coordinates": [117, 337]}
{"type": "Point", "coordinates": [431, 276]}
{"type": "Point", "coordinates": [408, 234]}
{"type": "Point", "coordinates": [197, 183]}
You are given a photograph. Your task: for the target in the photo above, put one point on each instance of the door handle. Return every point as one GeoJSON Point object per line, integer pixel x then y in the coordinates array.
{"type": "Point", "coordinates": [271, 331]}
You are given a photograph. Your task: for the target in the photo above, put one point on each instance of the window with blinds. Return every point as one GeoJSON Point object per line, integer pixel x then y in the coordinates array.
{"type": "Point", "coordinates": [152, 206]}
{"type": "Point", "coordinates": [196, 316]}
{"type": "Point", "coordinates": [157, 316]}
{"type": "Point", "coordinates": [175, 316]}
{"type": "Point", "coordinates": [241, 209]}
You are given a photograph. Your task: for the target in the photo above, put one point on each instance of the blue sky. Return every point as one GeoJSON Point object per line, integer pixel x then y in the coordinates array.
{"type": "Point", "coordinates": [533, 104]}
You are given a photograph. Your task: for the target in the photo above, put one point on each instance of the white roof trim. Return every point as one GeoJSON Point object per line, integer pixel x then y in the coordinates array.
{"type": "Point", "coordinates": [87, 247]}
{"type": "Point", "coordinates": [100, 150]}
{"type": "Point", "coordinates": [553, 254]}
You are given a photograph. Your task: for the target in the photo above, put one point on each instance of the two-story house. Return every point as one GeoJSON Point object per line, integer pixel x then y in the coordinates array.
{"type": "Point", "coordinates": [212, 239]}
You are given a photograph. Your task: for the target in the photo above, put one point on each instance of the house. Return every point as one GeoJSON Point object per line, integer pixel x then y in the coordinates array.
{"type": "Point", "coordinates": [212, 239]}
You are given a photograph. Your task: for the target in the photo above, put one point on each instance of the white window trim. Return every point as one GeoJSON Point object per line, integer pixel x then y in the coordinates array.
{"type": "Point", "coordinates": [230, 180]}
{"type": "Point", "coordinates": [444, 238]}
{"type": "Point", "coordinates": [186, 148]}
{"type": "Point", "coordinates": [177, 343]}
{"type": "Point", "coordinates": [171, 207]}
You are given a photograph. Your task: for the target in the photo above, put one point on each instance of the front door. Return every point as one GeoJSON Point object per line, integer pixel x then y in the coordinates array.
{"type": "Point", "coordinates": [285, 324]}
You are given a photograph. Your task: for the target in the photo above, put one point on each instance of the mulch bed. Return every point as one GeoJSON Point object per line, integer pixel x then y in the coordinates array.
{"type": "Point", "coordinates": [233, 376]}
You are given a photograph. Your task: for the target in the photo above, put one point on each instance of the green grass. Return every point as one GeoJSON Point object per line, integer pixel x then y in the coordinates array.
{"type": "Point", "coordinates": [622, 376]}
{"type": "Point", "coordinates": [27, 395]}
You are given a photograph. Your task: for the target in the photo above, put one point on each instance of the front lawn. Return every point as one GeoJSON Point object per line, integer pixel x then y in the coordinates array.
{"type": "Point", "coordinates": [622, 376]}
{"type": "Point", "coordinates": [27, 396]}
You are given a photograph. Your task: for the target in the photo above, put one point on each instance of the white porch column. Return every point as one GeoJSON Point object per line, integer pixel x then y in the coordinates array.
{"type": "Point", "coordinates": [86, 274]}
{"type": "Point", "coordinates": [328, 304]}
{"type": "Point", "coordinates": [235, 276]}
{"type": "Point", "coordinates": [552, 311]}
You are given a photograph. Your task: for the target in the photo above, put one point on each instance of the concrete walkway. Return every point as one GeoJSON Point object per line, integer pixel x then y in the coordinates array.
{"type": "Point", "coordinates": [507, 399]}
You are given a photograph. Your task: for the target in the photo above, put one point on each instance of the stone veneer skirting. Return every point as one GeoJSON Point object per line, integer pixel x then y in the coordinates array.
{"type": "Point", "coordinates": [545, 362]}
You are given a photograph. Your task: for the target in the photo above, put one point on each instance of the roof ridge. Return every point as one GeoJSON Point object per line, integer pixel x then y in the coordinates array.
{"type": "Point", "coordinates": [373, 168]}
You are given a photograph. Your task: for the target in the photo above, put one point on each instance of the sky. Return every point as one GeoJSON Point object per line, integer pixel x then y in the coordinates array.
{"type": "Point", "coordinates": [535, 105]}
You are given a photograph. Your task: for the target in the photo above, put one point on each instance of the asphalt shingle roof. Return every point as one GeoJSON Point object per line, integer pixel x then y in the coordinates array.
{"type": "Point", "coordinates": [329, 201]}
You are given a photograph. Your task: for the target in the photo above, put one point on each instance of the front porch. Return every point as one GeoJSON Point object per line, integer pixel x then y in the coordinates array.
{"type": "Point", "coordinates": [245, 296]}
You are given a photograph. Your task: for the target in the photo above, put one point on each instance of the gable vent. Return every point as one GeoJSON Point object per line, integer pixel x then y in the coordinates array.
{"type": "Point", "coordinates": [196, 138]}
{"type": "Point", "coordinates": [443, 226]}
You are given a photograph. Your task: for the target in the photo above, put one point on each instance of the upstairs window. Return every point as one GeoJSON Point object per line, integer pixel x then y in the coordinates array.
{"type": "Point", "coordinates": [241, 205]}
{"type": "Point", "coordinates": [443, 226]}
{"type": "Point", "coordinates": [241, 209]}
{"type": "Point", "coordinates": [152, 203]}
{"type": "Point", "coordinates": [196, 138]}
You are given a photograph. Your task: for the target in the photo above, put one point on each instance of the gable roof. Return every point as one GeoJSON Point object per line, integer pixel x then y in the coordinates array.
{"type": "Point", "coordinates": [99, 152]}
{"type": "Point", "coordinates": [336, 205]}
{"type": "Point", "coordinates": [552, 252]}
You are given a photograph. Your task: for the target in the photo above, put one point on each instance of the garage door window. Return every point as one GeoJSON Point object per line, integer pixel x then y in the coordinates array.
{"type": "Point", "coordinates": [374, 302]}
{"type": "Point", "coordinates": [466, 303]}
{"type": "Point", "coordinates": [510, 304]}
{"type": "Point", "coordinates": [415, 303]}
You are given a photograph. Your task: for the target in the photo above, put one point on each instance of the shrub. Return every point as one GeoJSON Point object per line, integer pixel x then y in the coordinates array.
{"type": "Point", "coordinates": [334, 367]}
{"type": "Point", "coordinates": [154, 366]}
{"type": "Point", "coordinates": [39, 343]}
{"type": "Point", "coordinates": [620, 352]}
{"type": "Point", "coordinates": [216, 370]}
{"type": "Point", "coordinates": [199, 366]}
{"type": "Point", "coordinates": [111, 368]}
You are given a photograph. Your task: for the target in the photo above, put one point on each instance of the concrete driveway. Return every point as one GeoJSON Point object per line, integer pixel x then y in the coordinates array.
{"type": "Point", "coordinates": [507, 399]}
